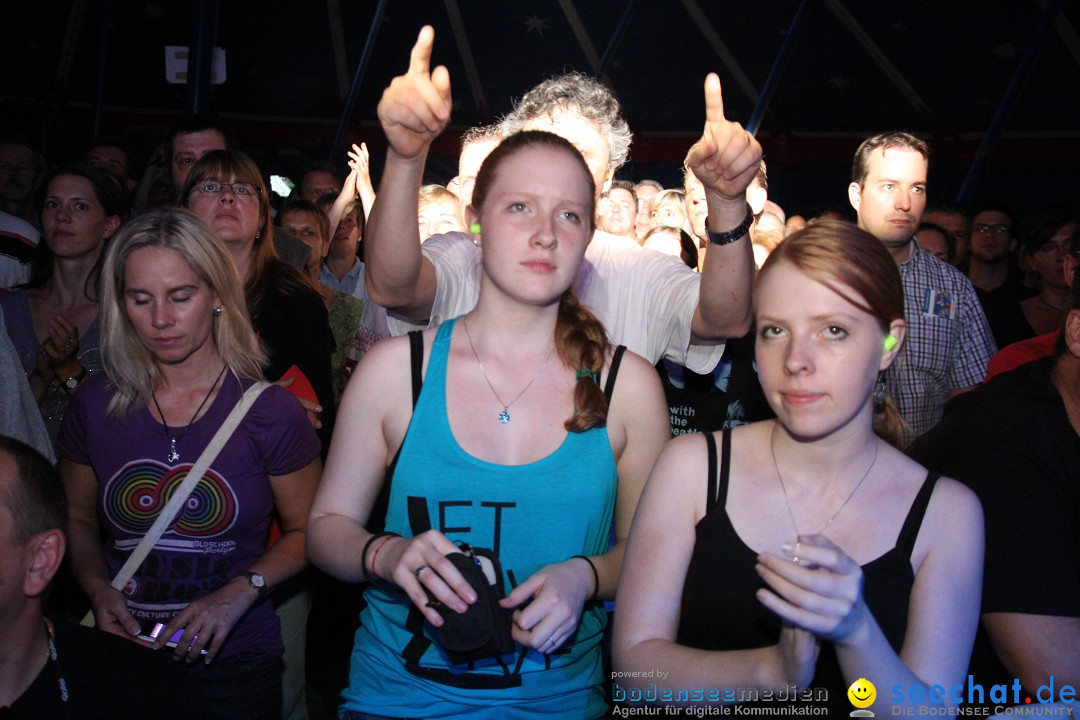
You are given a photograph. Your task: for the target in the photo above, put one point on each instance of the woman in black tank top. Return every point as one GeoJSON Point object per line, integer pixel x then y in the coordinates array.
{"type": "Point", "coordinates": [811, 556]}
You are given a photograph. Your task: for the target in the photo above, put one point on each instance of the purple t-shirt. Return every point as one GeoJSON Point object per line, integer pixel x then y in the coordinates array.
{"type": "Point", "coordinates": [223, 528]}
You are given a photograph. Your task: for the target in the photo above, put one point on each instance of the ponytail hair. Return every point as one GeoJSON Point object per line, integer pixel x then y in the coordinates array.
{"type": "Point", "coordinates": [889, 424]}
{"type": "Point", "coordinates": [580, 339]}
{"type": "Point", "coordinates": [583, 345]}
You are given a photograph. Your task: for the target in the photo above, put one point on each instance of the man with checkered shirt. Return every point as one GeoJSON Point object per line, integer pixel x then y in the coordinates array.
{"type": "Point", "coordinates": [948, 342]}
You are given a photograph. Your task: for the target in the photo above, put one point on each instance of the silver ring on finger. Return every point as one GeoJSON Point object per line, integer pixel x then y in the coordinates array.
{"type": "Point", "coordinates": [417, 571]}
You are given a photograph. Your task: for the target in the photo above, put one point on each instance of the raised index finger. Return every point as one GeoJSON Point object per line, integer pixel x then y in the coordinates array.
{"type": "Point", "coordinates": [714, 99]}
{"type": "Point", "coordinates": [420, 57]}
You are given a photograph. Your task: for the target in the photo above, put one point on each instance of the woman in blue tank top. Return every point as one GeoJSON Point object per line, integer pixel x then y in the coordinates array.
{"type": "Point", "coordinates": [511, 446]}
{"type": "Point", "coordinates": [814, 554]}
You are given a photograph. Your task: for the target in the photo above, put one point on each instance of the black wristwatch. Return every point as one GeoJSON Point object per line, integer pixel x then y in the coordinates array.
{"type": "Point", "coordinates": [256, 581]}
{"type": "Point", "coordinates": [73, 382]}
{"type": "Point", "coordinates": [737, 232]}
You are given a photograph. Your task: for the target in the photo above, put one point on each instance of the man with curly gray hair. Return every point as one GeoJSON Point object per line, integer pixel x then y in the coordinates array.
{"type": "Point", "coordinates": [651, 303]}
{"type": "Point", "coordinates": [573, 94]}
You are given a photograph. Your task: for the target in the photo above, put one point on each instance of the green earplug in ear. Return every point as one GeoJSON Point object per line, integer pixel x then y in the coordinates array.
{"type": "Point", "coordinates": [475, 228]}
{"type": "Point", "coordinates": [890, 343]}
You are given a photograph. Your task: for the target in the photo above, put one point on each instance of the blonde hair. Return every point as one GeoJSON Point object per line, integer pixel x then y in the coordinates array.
{"type": "Point", "coordinates": [128, 362]}
{"type": "Point", "coordinates": [669, 198]}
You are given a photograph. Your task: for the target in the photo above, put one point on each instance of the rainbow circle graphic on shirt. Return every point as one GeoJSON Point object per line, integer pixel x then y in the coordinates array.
{"type": "Point", "coordinates": [141, 489]}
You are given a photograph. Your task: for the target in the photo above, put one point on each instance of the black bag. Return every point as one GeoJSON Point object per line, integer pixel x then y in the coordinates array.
{"type": "Point", "coordinates": [483, 630]}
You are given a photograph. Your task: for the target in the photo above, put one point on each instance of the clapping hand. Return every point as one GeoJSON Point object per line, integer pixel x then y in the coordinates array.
{"type": "Point", "coordinates": [819, 589]}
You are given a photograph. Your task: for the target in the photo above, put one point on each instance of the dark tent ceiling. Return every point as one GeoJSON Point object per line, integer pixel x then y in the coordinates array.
{"type": "Point", "coordinates": [940, 69]}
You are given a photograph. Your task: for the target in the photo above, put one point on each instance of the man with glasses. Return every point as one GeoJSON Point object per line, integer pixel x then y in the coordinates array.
{"type": "Point", "coordinates": [1040, 346]}
{"type": "Point", "coordinates": [992, 270]}
{"type": "Point", "coordinates": [22, 173]}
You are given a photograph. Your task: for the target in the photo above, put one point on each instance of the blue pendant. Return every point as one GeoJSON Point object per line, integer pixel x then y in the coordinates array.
{"type": "Point", "coordinates": [504, 417]}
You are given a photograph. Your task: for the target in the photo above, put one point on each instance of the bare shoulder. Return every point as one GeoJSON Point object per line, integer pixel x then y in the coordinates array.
{"type": "Point", "coordinates": [683, 464]}
{"type": "Point", "coordinates": [380, 380]}
{"type": "Point", "coordinates": [949, 496]}
{"type": "Point", "coordinates": [382, 356]}
{"type": "Point", "coordinates": [952, 525]}
{"type": "Point", "coordinates": [638, 395]}
{"type": "Point", "coordinates": [634, 373]}
{"type": "Point", "coordinates": [953, 500]}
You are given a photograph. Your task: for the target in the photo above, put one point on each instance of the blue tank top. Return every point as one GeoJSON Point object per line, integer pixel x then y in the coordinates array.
{"type": "Point", "coordinates": [531, 516]}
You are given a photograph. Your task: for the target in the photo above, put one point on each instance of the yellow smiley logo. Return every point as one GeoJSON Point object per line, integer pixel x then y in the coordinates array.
{"type": "Point", "coordinates": [862, 693]}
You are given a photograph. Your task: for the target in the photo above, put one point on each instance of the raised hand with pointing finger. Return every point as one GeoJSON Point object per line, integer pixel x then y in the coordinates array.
{"type": "Point", "coordinates": [726, 156]}
{"type": "Point", "coordinates": [416, 106]}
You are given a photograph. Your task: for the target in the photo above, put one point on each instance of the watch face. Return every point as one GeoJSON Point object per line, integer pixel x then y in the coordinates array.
{"type": "Point", "coordinates": [72, 383]}
{"type": "Point", "coordinates": [257, 581]}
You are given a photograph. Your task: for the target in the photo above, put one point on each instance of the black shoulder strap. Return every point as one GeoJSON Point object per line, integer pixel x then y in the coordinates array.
{"type": "Point", "coordinates": [718, 487]}
{"type": "Point", "coordinates": [710, 499]}
{"type": "Point", "coordinates": [725, 464]}
{"type": "Point", "coordinates": [416, 353]}
{"type": "Point", "coordinates": [616, 359]}
{"type": "Point", "coordinates": [377, 518]}
{"type": "Point", "coordinates": [905, 543]}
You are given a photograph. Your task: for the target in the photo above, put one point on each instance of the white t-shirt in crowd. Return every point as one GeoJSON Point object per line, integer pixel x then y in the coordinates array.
{"type": "Point", "coordinates": [645, 299]}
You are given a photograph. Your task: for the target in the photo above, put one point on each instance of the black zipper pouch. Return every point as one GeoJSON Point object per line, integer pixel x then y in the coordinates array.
{"type": "Point", "coordinates": [483, 630]}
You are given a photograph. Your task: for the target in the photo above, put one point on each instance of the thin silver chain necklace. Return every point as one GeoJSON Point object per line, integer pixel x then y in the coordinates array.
{"type": "Point", "coordinates": [173, 455]}
{"type": "Point", "coordinates": [504, 416]}
{"type": "Point", "coordinates": [787, 500]}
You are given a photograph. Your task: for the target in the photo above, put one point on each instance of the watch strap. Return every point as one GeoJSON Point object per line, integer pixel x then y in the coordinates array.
{"type": "Point", "coordinates": [730, 236]}
{"type": "Point", "coordinates": [73, 381]}
{"type": "Point", "coordinates": [251, 575]}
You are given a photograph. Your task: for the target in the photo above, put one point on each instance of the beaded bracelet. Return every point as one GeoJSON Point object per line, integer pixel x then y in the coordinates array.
{"type": "Point", "coordinates": [369, 575]}
{"type": "Point", "coordinates": [596, 577]}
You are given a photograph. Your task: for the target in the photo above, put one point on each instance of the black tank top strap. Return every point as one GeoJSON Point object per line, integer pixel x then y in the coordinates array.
{"type": "Point", "coordinates": [905, 542]}
{"type": "Point", "coordinates": [416, 356]}
{"type": "Point", "coordinates": [710, 498]}
{"type": "Point", "coordinates": [718, 481]}
{"type": "Point", "coordinates": [725, 466]}
{"type": "Point", "coordinates": [377, 517]}
{"type": "Point", "coordinates": [616, 359]}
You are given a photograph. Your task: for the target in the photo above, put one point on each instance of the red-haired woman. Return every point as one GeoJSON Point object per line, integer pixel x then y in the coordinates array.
{"type": "Point", "coordinates": [521, 442]}
{"type": "Point", "coordinates": [807, 550]}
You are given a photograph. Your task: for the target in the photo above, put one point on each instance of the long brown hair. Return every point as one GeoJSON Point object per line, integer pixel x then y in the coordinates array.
{"type": "Point", "coordinates": [856, 266]}
{"type": "Point", "coordinates": [110, 195]}
{"type": "Point", "coordinates": [580, 338]}
{"type": "Point", "coordinates": [264, 269]}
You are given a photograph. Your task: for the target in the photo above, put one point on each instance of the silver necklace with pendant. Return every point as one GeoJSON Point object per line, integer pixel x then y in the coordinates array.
{"type": "Point", "coordinates": [787, 500]}
{"type": "Point", "coordinates": [504, 416]}
{"type": "Point", "coordinates": [173, 455]}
